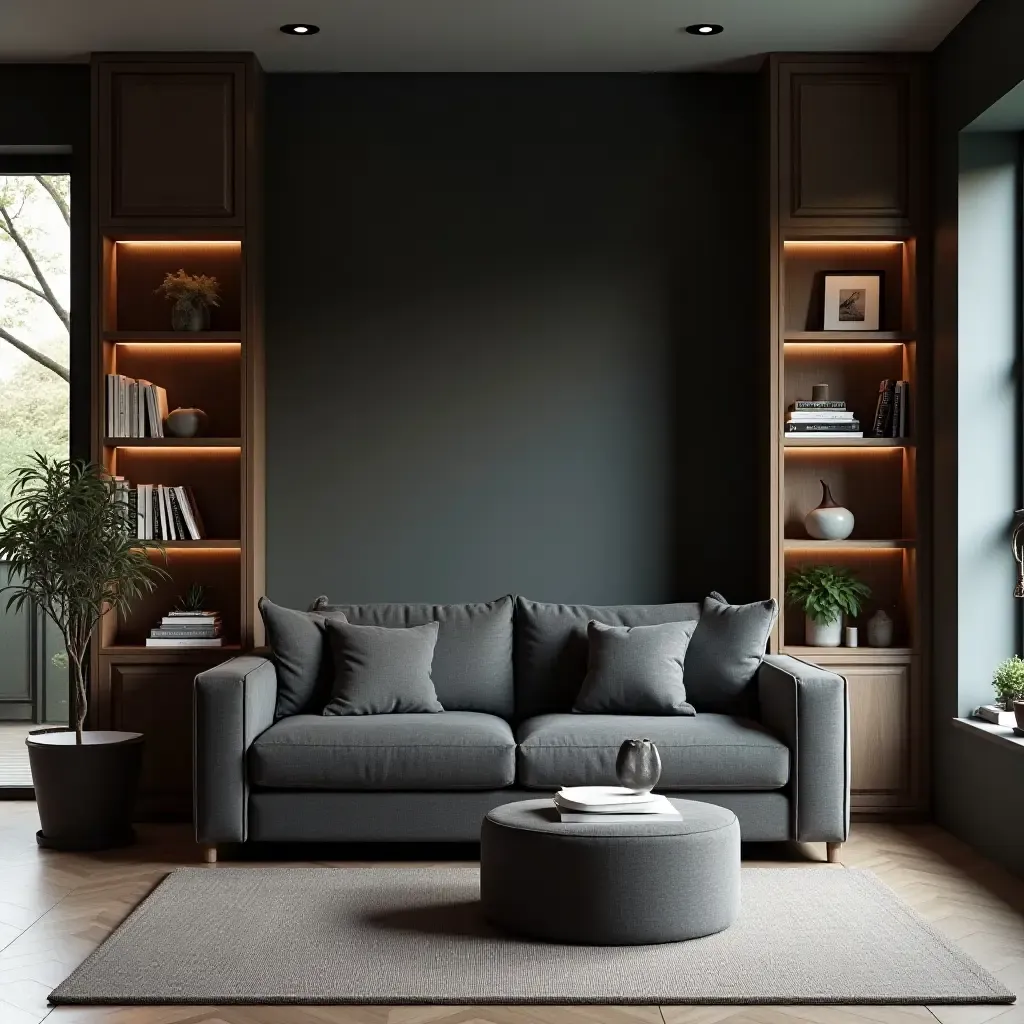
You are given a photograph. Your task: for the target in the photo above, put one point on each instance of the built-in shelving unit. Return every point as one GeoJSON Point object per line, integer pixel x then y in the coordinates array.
{"type": "Point", "coordinates": [161, 206]}
{"type": "Point", "coordinates": [863, 215]}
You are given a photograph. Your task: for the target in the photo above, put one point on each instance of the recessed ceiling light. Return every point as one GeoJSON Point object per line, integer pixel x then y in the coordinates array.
{"type": "Point", "coordinates": [300, 30]}
{"type": "Point", "coordinates": [706, 29]}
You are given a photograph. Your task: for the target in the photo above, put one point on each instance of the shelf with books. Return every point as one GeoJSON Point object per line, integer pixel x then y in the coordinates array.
{"type": "Point", "coordinates": [168, 444]}
{"type": "Point", "coordinates": [200, 545]}
{"type": "Point", "coordinates": [849, 442]}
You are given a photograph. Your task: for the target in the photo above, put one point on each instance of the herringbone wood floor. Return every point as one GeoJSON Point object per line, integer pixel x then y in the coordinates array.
{"type": "Point", "coordinates": [56, 907]}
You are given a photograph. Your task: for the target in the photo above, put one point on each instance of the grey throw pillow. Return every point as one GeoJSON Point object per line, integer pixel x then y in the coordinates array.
{"type": "Point", "coordinates": [380, 671]}
{"type": "Point", "coordinates": [301, 657]}
{"type": "Point", "coordinates": [725, 654]}
{"type": "Point", "coordinates": [635, 670]}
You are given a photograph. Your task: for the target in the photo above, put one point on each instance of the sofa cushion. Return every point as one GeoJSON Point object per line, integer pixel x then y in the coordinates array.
{"type": "Point", "coordinates": [450, 751]}
{"type": "Point", "coordinates": [300, 654]}
{"type": "Point", "coordinates": [725, 653]}
{"type": "Point", "coordinates": [472, 669]}
{"type": "Point", "coordinates": [551, 647]}
{"type": "Point", "coordinates": [381, 671]}
{"type": "Point", "coordinates": [635, 670]}
{"type": "Point", "coordinates": [708, 752]}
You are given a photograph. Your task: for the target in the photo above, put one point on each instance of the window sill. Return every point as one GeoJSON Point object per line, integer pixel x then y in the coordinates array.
{"type": "Point", "coordinates": [1000, 734]}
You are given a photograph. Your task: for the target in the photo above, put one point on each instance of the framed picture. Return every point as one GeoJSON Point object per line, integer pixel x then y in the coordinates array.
{"type": "Point", "coordinates": [853, 301]}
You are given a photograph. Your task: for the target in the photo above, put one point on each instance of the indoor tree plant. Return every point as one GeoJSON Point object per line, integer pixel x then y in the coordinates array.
{"type": "Point", "coordinates": [192, 295]}
{"type": "Point", "coordinates": [825, 593]}
{"type": "Point", "coordinates": [68, 536]}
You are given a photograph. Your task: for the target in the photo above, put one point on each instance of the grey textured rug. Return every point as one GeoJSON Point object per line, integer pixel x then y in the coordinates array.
{"type": "Point", "coordinates": [389, 935]}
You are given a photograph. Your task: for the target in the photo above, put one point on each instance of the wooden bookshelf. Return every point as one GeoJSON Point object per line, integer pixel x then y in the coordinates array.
{"type": "Point", "coordinates": [159, 207]}
{"type": "Point", "coordinates": [865, 214]}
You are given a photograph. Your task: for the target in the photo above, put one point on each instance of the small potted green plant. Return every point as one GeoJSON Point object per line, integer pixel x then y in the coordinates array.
{"type": "Point", "coordinates": [68, 537]}
{"type": "Point", "coordinates": [1008, 683]}
{"type": "Point", "coordinates": [192, 296]}
{"type": "Point", "coordinates": [824, 593]}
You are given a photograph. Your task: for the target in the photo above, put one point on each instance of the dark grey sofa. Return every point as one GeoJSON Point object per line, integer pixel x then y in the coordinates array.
{"type": "Point", "coordinates": [507, 673]}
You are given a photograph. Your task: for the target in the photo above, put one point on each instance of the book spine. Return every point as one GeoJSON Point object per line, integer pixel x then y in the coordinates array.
{"type": "Point", "coordinates": [881, 409]}
{"type": "Point", "coordinates": [179, 521]}
{"type": "Point", "coordinates": [160, 632]}
{"type": "Point", "coordinates": [823, 428]}
{"type": "Point", "coordinates": [897, 410]}
{"type": "Point", "coordinates": [134, 529]}
{"type": "Point", "coordinates": [819, 405]}
{"type": "Point", "coordinates": [155, 502]}
{"type": "Point", "coordinates": [194, 509]}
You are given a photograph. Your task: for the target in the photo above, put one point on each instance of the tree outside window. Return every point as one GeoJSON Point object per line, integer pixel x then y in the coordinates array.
{"type": "Point", "coordinates": [35, 228]}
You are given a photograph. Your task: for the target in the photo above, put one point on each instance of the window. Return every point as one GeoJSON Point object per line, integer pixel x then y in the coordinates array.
{"type": "Point", "coordinates": [35, 230]}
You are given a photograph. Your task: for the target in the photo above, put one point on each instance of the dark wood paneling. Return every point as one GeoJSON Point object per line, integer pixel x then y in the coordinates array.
{"type": "Point", "coordinates": [171, 140]}
{"type": "Point", "coordinates": [850, 142]}
{"type": "Point", "coordinates": [140, 694]}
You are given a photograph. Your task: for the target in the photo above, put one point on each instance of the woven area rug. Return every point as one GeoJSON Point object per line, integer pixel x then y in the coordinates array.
{"type": "Point", "coordinates": [390, 935]}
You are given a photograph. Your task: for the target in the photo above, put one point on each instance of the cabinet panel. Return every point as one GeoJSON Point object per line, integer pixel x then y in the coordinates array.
{"type": "Point", "coordinates": [138, 695]}
{"type": "Point", "coordinates": [849, 144]}
{"type": "Point", "coordinates": [171, 142]}
{"type": "Point", "coordinates": [886, 761]}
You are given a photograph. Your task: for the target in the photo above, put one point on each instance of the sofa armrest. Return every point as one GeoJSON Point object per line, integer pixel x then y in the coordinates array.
{"type": "Point", "coordinates": [233, 703]}
{"type": "Point", "coordinates": [808, 708]}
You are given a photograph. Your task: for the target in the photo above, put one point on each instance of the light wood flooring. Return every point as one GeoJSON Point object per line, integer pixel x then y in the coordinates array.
{"type": "Point", "coordinates": [56, 907]}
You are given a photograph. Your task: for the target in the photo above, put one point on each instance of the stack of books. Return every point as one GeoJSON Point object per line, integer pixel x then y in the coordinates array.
{"type": "Point", "coordinates": [612, 804]}
{"type": "Point", "coordinates": [828, 419]}
{"type": "Point", "coordinates": [135, 408]}
{"type": "Point", "coordinates": [187, 629]}
{"type": "Point", "coordinates": [892, 412]}
{"type": "Point", "coordinates": [160, 511]}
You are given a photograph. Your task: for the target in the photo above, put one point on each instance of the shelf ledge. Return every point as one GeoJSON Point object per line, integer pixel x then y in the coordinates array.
{"type": "Point", "coordinates": [847, 337]}
{"type": "Point", "coordinates": [850, 442]}
{"type": "Point", "coordinates": [1001, 734]}
{"type": "Point", "coordinates": [797, 544]}
{"type": "Point", "coordinates": [171, 337]}
{"type": "Point", "coordinates": [172, 442]}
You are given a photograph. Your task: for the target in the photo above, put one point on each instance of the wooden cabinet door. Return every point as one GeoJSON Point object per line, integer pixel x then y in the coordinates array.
{"type": "Point", "coordinates": [884, 719]}
{"type": "Point", "coordinates": [138, 695]}
{"type": "Point", "coordinates": [171, 142]}
{"type": "Point", "coordinates": [849, 143]}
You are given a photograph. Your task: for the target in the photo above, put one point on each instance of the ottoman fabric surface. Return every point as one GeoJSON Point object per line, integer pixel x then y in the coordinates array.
{"type": "Point", "coordinates": [609, 883]}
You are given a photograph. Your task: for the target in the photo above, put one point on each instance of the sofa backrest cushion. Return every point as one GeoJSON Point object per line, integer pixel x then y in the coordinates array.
{"type": "Point", "coordinates": [472, 668]}
{"type": "Point", "coordinates": [551, 647]}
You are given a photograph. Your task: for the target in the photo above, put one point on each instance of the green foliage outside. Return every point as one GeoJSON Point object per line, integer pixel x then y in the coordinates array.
{"type": "Point", "coordinates": [35, 221]}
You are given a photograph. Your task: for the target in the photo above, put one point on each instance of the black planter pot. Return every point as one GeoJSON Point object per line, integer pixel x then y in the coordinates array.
{"type": "Point", "coordinates": [85, 793]}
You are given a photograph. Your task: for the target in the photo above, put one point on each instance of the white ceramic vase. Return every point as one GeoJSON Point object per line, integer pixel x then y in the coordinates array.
{"type": "Point", "coordinates": [829, 521]}
{"type": "Point", "coordinates": [818, 634]}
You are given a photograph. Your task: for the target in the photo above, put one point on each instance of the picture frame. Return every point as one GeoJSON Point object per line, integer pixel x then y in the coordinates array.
{"type": "Point", "coordinates": [853, 301]}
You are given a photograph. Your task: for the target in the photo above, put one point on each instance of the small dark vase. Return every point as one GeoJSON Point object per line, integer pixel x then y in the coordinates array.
{"type": "Point", "coordinates": [190, 316]}
{"type": "Point", "coordinates": [638, 765]}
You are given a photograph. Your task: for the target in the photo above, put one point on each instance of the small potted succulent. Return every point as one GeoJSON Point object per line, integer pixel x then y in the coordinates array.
{"type": "Point", "coordinates": [1008, 683]}
{"type": "Point", "coordinates": [192, 296]}
{"type": "Point", "coordinates": [68, 538]}
{"type": "Point", "coordinates": [824, 593]}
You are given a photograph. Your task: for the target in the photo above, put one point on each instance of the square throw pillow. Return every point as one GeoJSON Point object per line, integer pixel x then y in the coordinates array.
{"type": "Point", "coordinates": [635, 670]}
{"type": "Point", "coordinates": [301, 657]}
{"type": "Point", "coordinates": [725, 653]}
{"type": "Point", "coordinates": [382, 671]}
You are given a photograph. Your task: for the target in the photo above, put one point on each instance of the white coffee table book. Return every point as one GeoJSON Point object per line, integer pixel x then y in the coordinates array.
{"type": "Point", "coordinates": [612, 803]}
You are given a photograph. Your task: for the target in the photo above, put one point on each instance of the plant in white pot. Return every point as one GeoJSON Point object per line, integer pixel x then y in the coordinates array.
{"type": "Point", "coordinates": [825, 593]}
{"type": "Point", "coordinates": [69, 538]}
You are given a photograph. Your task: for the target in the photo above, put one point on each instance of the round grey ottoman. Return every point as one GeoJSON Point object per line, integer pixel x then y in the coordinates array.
{"type": "Point", "coordinates": [607, 883]}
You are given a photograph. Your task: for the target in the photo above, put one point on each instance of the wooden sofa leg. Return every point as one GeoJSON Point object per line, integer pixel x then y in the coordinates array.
{"type": "Point", "coordinates": [831, 852]}
{"type": "Point", "coordinates": [210, 854]}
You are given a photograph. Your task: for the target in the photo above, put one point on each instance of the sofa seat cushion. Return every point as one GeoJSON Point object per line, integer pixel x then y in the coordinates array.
{"type": "Point", "coordinates": [451, 750]}
{"type": "Point", "coordinates": [708, 752]}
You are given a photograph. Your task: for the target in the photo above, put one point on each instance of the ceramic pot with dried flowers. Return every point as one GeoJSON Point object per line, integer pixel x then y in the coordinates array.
{"type": "Point", "coordinates": [192, 296]}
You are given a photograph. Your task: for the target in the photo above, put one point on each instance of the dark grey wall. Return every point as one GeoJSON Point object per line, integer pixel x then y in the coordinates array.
{"type": "Point", "coordinates": [976, 417]}
{"type": "Point", "coordinates": [511, 337]}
